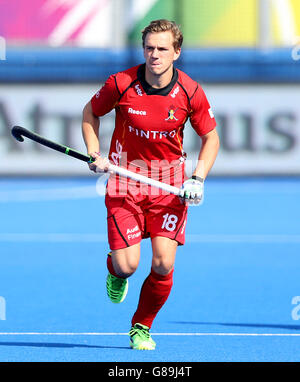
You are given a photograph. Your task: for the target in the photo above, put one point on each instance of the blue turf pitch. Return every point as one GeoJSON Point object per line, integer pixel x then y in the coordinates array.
{"type": "Point", "coordinates": [236, 280]}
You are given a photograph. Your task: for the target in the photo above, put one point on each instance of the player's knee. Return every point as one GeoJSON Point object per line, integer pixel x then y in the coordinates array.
{"type": "Point", "coordinates": [164, 252]}
{"type": "Point", "coordinates": [126, 261]}
{"type": "Point", "coordinates": [131, 268]}
{"type": "Point", "coordinates": [162, 265]}
{"type": "Point", "coordinates": [126, 269]}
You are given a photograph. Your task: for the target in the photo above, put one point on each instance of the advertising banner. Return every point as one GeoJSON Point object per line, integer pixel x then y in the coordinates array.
{"type": "Point", "coordinates": [259, 128]}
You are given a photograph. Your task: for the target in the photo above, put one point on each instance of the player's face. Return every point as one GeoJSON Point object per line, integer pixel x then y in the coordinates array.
{"type": "Point", "coordinates": [159, 52]}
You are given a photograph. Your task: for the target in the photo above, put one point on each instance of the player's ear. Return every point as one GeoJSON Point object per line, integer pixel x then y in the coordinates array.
{"type": "Point", "coordinates": [177, 53]}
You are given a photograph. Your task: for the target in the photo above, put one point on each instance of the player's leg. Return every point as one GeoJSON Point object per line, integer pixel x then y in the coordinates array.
{"type": "Point", "coordinates": [158, 284]}
{"type": "Point", "coordinates": [165, 220]}
{"type": "Point", "coordinates": [125, 230]}
{"type": "Point", "coordinates": [154, 293]}
{"type": "Point", "coordinates": [125, 261]}
{"type": "Point", "coordinates": [121, 264]}
{"type": "Point", "coordinates": [164, 252]}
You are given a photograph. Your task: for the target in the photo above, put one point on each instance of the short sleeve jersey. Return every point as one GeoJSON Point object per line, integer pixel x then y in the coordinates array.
{"type": "Point", "coordinates": [150, 122]}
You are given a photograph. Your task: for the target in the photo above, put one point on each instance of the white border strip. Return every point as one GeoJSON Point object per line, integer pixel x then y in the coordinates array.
{"type": "Point", "coordinates": [154, 334]}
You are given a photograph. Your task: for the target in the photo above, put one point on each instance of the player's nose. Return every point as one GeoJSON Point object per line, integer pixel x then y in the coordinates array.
{"type": "Point", "coordinates": [155, 53]}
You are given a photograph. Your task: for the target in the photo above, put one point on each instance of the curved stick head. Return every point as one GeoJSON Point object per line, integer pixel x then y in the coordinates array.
{"type": "Point", "coordinates": [17, 133]}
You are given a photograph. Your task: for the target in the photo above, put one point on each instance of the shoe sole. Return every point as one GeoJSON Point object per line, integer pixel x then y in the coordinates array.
{"type": "Point", "coordinates": [141, 347]}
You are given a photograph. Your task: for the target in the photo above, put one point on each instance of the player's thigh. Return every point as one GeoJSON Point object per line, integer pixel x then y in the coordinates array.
{"type": "Point", "coordinates": [164, 253]}
{"type": "Point", "coordinates": [167, 217]}
{"type": "Point", "coordinates": [126, 260]}
{"type": "Point", "coordinates": [125, 226]}
{"type": "Point", "coordinates": [125, 222]}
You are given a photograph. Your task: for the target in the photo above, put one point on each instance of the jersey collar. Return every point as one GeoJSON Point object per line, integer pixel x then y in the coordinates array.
{"type": "Point", "coordinates": [148, 89]}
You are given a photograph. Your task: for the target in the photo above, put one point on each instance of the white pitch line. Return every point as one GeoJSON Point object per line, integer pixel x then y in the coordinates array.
{"type": "Point", "coordinates": [154, 334]}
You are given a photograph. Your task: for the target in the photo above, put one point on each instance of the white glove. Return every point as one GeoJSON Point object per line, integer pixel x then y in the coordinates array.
{"type": "Point", "coordinates": [100, 164]}
{"type": "Point", "coordinates": [193, 190]}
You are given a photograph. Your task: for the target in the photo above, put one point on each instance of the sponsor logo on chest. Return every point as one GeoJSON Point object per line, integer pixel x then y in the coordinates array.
{"type": "Point", "coordinates": [138, 90]}
{"type": "Point", "coordinates": [175, 92]}
{"type": "Point", "coordinates": [152, 134]}
{"type": "Point", "coordinates": [137, 112]}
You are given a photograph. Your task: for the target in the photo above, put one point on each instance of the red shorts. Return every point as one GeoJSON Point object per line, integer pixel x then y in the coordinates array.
{"type": "Point", "coordinates": [133, 218]}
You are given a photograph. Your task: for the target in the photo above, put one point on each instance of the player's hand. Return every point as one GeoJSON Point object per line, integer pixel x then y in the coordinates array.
{"type": "Point", "coordinates": [100, 164]}
{"type": "Point", "coordinates": [193, 191]}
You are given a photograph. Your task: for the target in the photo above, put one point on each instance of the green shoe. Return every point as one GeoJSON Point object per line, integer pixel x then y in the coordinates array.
{"type": "Point", "coordinates": [116, 288]}
{"type": "Point", "coordinates": [140, 338]}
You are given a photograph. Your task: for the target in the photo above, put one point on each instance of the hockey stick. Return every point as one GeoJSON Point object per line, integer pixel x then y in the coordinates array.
{"type": "Point", "coordinates": [19, 132]}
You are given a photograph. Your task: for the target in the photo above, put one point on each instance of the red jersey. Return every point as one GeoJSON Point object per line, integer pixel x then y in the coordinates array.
{"type": "Point", "coordinates": [150, 122]}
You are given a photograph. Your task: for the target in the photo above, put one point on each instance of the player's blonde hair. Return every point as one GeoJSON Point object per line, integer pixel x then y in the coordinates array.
{"type": "Point", "coordinates": [163, 25]}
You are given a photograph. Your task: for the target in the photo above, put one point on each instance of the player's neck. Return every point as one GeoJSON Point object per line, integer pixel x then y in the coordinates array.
{"type": "Point", "coordinates": [159, 81]}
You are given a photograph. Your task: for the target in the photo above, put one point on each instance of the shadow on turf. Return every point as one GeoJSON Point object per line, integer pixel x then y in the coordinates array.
{"type": "Point", "coordinates": [249, 325]}
{"type": "Point", "coordinates": [60, 345]}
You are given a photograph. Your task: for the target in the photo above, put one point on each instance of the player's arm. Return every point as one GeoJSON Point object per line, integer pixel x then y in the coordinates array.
{"type": "Point", "coordinates": [203, 122]}
{"type": "Point", "coordinates": [90, 133]}
{"type": "Point", "coordinates": [194, 187]}
{"type": "Point", "coordinates": [208, 153]}
{"type": "Point", "coordinates": [90, 129]}
{"type": "Point", "coordinates": [100, 104]}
